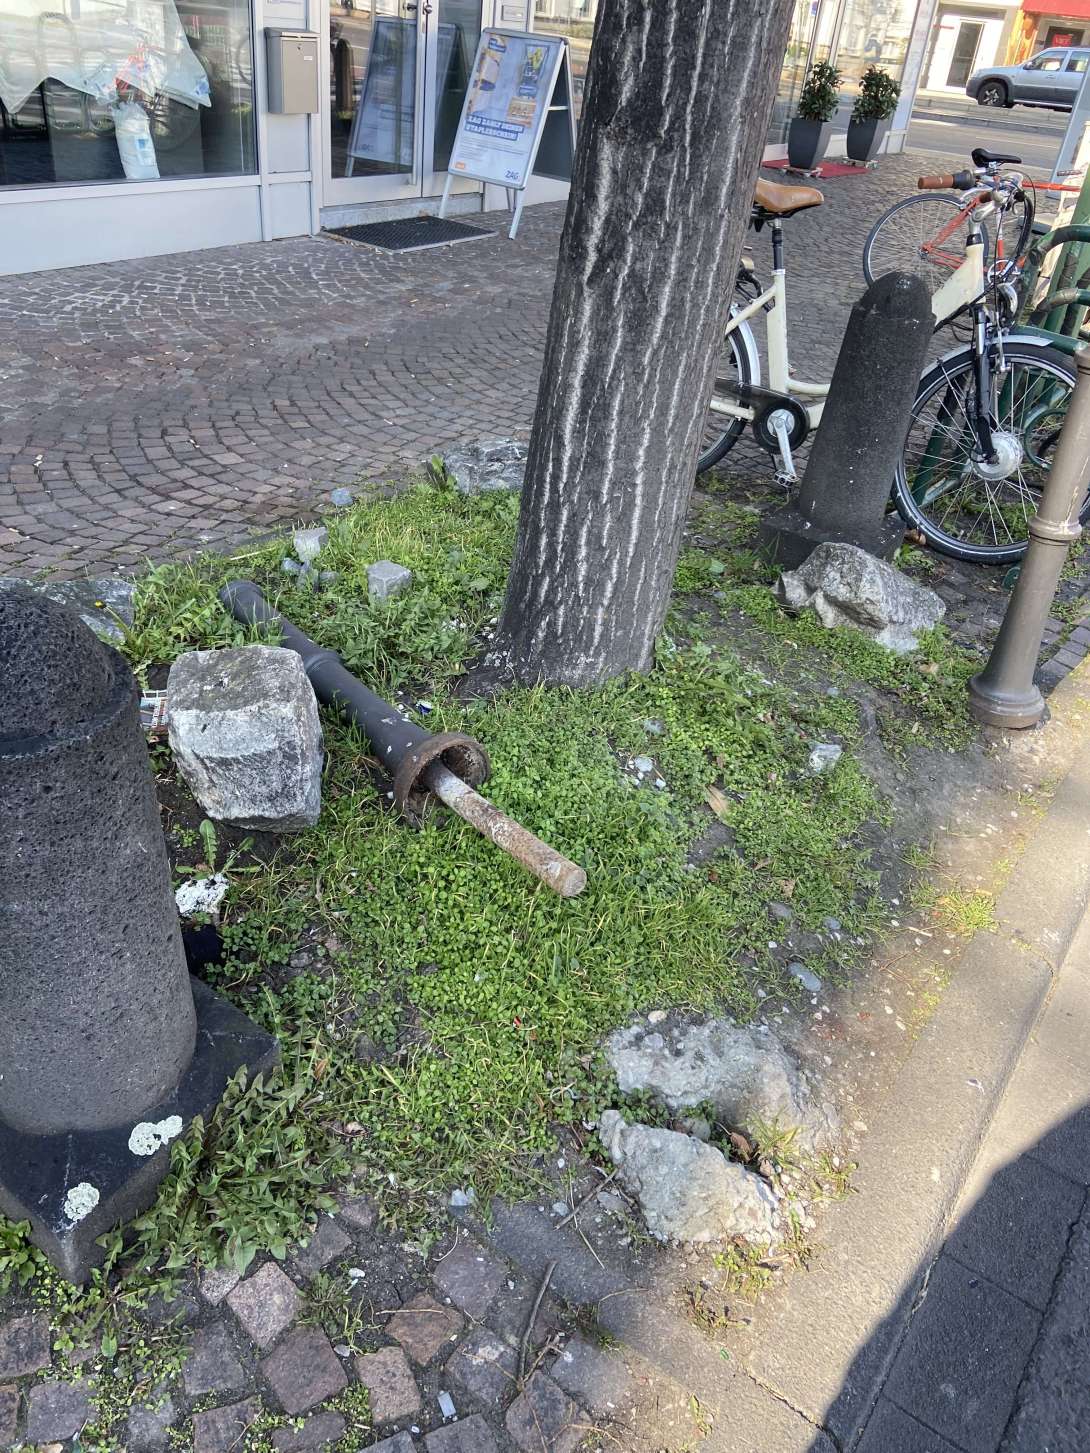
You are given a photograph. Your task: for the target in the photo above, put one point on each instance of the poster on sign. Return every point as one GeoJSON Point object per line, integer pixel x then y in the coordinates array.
{"type": "Point", "coordinates": [506, 106]}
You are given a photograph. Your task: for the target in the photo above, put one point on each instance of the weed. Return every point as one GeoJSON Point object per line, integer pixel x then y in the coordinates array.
{"type": "Point", "coordinates": [966, 911]}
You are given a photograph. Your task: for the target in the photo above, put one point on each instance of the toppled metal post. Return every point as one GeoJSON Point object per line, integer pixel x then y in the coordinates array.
{"type": "Point", "coordinates": [449, 765]}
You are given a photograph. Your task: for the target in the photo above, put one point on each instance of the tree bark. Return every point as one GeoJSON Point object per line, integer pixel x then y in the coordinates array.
{"type": "Point", "coordinates": [677, 107]}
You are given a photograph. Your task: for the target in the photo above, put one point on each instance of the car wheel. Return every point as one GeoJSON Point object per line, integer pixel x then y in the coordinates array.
{"type": "Point", "coordinates": [993, 93]}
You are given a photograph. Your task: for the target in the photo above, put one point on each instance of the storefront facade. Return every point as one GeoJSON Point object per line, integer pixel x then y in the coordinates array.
{"type": "Point", "coordinates": [142, 128]}
{"type": "Point", "coordinates": [1046, 25]}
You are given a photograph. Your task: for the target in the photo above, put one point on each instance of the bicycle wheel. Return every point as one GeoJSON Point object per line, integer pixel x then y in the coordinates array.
{"type": "Point", "coordinates": [924, 235]}
{"type": "Point", "coordinates": [965, 506]}
{"type": "Point", "coordinates": [732, 366]}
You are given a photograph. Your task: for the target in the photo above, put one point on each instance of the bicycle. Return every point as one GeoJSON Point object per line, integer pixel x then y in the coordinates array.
{"type": "Point", "coordinates": [923, 234]}
{"type": "Point", "coordinates": [987, 415]}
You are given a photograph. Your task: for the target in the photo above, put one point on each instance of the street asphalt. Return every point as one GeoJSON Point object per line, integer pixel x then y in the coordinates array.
{"type": "Point", "coordinates": [956, 126]}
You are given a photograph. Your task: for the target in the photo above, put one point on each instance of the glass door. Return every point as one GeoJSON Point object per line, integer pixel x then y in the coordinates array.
{"type": "Point", "coordinates": [398, 71]}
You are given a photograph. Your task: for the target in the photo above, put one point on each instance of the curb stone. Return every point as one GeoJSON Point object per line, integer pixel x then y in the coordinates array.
{"type": "Point", "coordinates": [825, 1345]}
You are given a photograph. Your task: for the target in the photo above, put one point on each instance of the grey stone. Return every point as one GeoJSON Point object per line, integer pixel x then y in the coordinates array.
{"type": "Point", "coordinates": [24, 1346]}
{"type": "Point", "coordinates": [399, 1443]}
{"type": "Point", "coordinates": [424, 1328]}
{"type": "Point", "coordinates": [1053, 1410]}
{"type": "Point", "coordinates": [291, 566]}
{"type": "Point", "coordinates": [543, 1419]}
{"type": "Point", "coordinates": [149, 1424]}
{"type": "Point", "coordinates": [487, 465]}
{"type": "Point", "coordinates": [847, 587]}
{"type": "Point", "coordinates": [470, 1277]}
{"type": "Point", "coordinates": [304, 1370]}
{"type": "Point", "coordinates": [217, 1283]}
{"type": "Point", "coordinates": [245, 734]}
{"type": "Point", "coordinates": [596, 1379]}
{"type": "Point", "coordinates": [327, 1243]}
{"type": "Point", "coordinates": [688, 1191]}
{"type": "Point", "coordinates": [962, 1359]}
{"type": "Point", "coordinates": [389, 1380]}
{"type": "Point", "coordinates": [359, 1211]}
{"type": "Point", "coordinates": [308, 544]}
{"type": "Point", "coordinates": [56, 1411]}
{"type": "Point", "coordinates": [212, 1365]}
{"type": "Point", "coordinates": [823, 757]}
{"type": "Point", "coordinates": [806, 978]}
{"type": "Point", "coordinates": [485, 1366]}
{"type": "Point", "coordinates": [318, 1431]}
{"type": "Point", "coordinates": [220, 1430]}
{"type": "Point", "coordinates": [643, 764]}
{"type": "Point", "coordinates": [9, 1415]}
{"type": "Point", "coordinates": [385, 579]}
{"type": "Point", "coordinates": [781, 911]}
{"type": "Point", "coordinates": [266, 1303]}
{"type": "Point", "coordinates": [744, 1073]}
{"type": "Point", "coordinates": [341, 497]}
{"type": "Point", "coordinates": [105, 604]}
{"type": "Point", "coordinates": [471, 1435]}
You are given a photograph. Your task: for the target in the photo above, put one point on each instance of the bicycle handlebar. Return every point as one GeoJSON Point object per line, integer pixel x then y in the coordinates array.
{"type": "Point", "coordinates": [956, 182]}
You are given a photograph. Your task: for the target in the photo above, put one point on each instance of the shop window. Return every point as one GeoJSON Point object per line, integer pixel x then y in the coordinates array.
{"type": "Point", "coordinates": [101, 91]}
{"type": "Point", "coordinates": [575, 19]}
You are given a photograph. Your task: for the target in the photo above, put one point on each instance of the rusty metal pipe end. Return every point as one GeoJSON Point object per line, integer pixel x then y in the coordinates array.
{"type": "Point", "coordinates": [462, 755]}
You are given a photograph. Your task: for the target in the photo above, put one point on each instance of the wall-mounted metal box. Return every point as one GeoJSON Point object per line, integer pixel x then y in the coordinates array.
{"type": "Point", "coordinates": [292, 57]}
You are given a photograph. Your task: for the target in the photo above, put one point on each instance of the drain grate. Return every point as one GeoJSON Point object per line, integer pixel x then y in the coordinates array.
{"type": "Point", "coordinates": [411, 234]}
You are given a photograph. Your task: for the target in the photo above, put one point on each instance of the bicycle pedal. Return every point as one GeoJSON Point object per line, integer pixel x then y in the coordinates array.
{"type": "Point", "coordinates": [786, 481]}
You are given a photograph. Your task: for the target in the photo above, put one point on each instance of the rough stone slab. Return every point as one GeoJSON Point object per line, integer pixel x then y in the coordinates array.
{"type": "Point", "coordinates": [848, 587]}
{"type": "Point", "coordinates": [889, 1430]}
{"type": "Point", "coordinates": [327, 1243]}
{"type": "Point", "coordinates": [488, 465]}
{"type": "Point", "coordinates": [959, 1367]}
{"type": "Point", "coordinates": [266, 1303]}
{"type": "Point", "coordinates": [485, 1366]}
{"type": "Point", "coordinates": [56, 1410]}
{"type": "Point", "coordinates": [471, 1277]}
{"type": "Point", "coordinates": [9, 1415]}
{"type": "Point", "coordinates": [596, 1379]}
{"type": "Point", "coordinates": [304, 1370]}
{"type": "Point", "coordinates": [543, 1419]}
{"type": "Point", "coordinates": [1053, 1404]}
{"type": "Point", "coordinates": [318, 1431]}
{"type": "Point", "coordinates": [35, 1169]}
{"type": "Point", "coordinates": [424, 1328]}
{"type": "Point", "coordinates": [246, 737]}
{"type": "Point", "coordinates": [308, 544]}
{"type": "Point", "coordinates": [392, 1389]}
{"type": "Point", "coordinates": [468, 1435]}
{"type": "Point", "coordinates": [104, 603]}
{"type": "Point", "coordinates": [386, 579]}
{"type": "Point", "coordinates": [528, 1238]}
{"type": "Point", "coordinates": [220, 1430]}
{"type": "Point", "coordinates": [217, 1283]}
{"type": "Point", "coordinates": [212, 1364]}
{"type": "Point", "coordinates": [24, 1346]}
{"type": "Point", "coordinates": [688, 1191]}
{"type": "Point", "coordinates": [149, 1425]}
{"type": "Point", "coordinates": [745, 1073]}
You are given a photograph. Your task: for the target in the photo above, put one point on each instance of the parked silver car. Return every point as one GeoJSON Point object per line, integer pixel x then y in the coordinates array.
{"type": "Point", "coordinates": [1050, 78]}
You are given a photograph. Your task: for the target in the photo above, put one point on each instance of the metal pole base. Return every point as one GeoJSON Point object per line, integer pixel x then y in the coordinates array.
{"type": "Point", "coordinates": [1013, 709]}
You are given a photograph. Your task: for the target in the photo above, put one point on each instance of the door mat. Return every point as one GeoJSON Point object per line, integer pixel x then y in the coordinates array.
{"type": "Point", "coordinates": [824, 169]}
{"type": "Point", "coordinates": [411, 234]}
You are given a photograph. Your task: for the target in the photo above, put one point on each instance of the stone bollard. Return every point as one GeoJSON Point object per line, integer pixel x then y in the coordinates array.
{"type": "Point", "coordinates": [845, 491]}
{"type": "Point", "coordinates": [107, 1048]}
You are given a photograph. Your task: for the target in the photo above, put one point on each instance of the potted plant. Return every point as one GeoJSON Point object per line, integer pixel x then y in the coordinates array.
{"type": "Point", "coordinates": [812, 125]}
{"type": "Point", "coordinates": [874, 106]}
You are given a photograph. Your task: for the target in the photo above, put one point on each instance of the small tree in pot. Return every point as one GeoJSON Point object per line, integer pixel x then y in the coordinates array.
{"type": "Point", "coordinates": [871, 114]}
{"type": "Point", "coordinates": [810, 129]}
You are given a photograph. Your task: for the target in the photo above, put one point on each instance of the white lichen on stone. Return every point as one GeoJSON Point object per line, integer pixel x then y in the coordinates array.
{"type": "Point", "coordinates": [149, 1135]}
{"type": "Point", "coordinates": [80, 1201]}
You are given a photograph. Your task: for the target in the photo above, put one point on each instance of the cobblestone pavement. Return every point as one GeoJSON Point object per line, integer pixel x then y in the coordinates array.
{"type": "Point", "coordinates": [149, 408]}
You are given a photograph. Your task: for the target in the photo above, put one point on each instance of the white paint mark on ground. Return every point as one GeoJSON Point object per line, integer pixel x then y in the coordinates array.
{"type": "Point", "coordinates": [80, 1201]}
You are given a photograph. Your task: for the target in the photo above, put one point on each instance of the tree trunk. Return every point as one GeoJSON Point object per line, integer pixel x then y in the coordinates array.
{"type": "Point", "coordinates": [678, 100]}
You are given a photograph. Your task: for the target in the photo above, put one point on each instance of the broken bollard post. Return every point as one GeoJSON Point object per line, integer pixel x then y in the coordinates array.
{"type": "Point", "coordinates": [107, 1048]}
{"type": "Point", "coordinates": [844, 496]}
{"type": "Point", "coordinates": [1005, 694]}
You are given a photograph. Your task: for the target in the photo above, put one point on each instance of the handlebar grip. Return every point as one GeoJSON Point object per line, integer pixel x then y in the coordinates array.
{"type": "Point", "coordinates": [936, 184]}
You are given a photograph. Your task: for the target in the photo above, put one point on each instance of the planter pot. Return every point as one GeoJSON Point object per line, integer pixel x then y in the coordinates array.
{"type": "Point", "coordinates": [865, 138]}
{"type": "Point", "coordinates": [806, 142]}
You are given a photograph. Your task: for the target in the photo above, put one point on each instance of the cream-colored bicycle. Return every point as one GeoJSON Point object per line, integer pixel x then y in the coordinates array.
{"type": "Point", "coordinates": [778, 415]}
